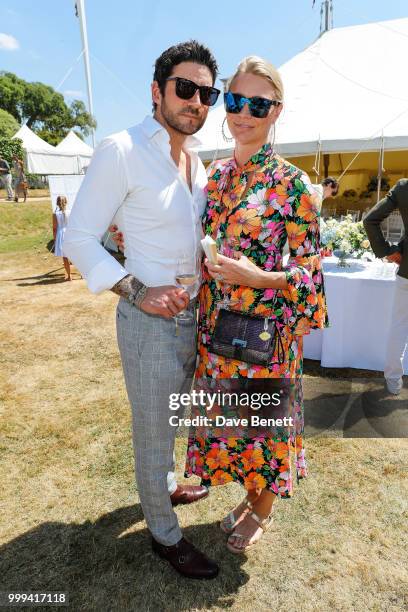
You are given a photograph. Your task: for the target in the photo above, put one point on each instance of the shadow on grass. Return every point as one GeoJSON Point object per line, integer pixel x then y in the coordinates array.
{"type": "Point", "coordinates": [358, 408]}
{"type": "Point", "coordinates": [50, 278]}
{"type": "Point", "coordinates": [47, 275]}
{"type": "Point", "coordinates": [102, 567]}
{"type": "Point", "coordinates": [313, 368]}
{"type": "Point", "coordinates": [387, 415]}
{"type": "Point", "coordinates": [48, 281]}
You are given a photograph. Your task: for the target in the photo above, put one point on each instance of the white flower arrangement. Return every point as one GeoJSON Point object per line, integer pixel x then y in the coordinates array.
{"type": "Point", "coordinates": [347, 236]}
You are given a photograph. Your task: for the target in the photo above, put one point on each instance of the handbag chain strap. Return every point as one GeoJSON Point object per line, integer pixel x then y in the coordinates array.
{"type": "Point", "coordinates": [222, 218]}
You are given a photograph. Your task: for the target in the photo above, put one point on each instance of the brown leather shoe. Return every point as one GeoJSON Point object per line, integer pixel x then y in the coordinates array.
{"type": "Point", "coordinates": [186, 559]}
{"type": "Point", "coordinates": [188, 494]}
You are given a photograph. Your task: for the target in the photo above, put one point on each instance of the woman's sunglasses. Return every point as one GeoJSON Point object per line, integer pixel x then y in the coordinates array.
{"type": "Point", "coordinates": [258, 107]}
{"type": "Point", "coordinates": [185, 89]}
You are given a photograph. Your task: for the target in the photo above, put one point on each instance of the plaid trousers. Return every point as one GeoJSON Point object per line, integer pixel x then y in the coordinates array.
{"type": "Point", "coordinates": [157, 360]}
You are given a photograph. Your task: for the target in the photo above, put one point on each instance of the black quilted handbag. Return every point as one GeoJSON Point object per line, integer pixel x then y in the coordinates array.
{"type": "Point", "coordinates": [252, 339]}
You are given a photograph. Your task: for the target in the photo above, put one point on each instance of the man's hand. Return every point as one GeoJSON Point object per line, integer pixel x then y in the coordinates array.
{"type": "Point", "coordinates": [166, 301]}
{"type": "Point", "coordinates": [395, 258]}
{"type": "Point", "coordinates": [117, 237]}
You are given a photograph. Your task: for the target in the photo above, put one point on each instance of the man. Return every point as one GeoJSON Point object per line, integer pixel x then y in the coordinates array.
{"type": "Point", "coordinates": [155, 185]}
{"type": "Point", "coordinates": [5, 178]}
{"type": "Point", "coordinates": [329, 187]}
{"type": "Point", "coordinates": [396, 199]}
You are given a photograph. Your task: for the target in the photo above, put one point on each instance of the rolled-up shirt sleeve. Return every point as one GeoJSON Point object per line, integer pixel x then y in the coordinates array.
{"type": "Point", "coordinates": [102, 192]}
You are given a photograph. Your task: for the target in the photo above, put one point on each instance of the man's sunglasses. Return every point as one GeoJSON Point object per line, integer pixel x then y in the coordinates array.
{"type": "Point", "coordinates": [185, 89]}
{"type": "Point", "coordinates": [258, 107]}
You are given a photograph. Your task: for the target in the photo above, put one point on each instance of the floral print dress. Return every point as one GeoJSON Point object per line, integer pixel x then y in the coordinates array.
{"type": "Point", "coordinates": [256, 209]}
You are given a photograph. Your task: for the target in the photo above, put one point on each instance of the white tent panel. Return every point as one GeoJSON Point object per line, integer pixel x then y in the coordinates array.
{"type": "Point", "coordinates": [74, 145]}
{"type": "Point", "coordinates": [67, 186]}
{"type": "Point", "coordinates": [52, 164]}
{"type": "Point", "coordinates": [43, 158]}
{"type": "Point", "coordinates": [32, 142]}
{"type": "Point", "coordinates": [342, 90]}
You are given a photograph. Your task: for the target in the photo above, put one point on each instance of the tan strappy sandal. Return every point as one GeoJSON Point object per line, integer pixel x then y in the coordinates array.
{"type": "Point", "coordinates": [229, 522]}
{"type": "Point", "coordinates": [264, 524]}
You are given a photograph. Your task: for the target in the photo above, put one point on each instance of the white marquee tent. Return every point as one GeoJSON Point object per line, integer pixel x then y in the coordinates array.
{"type": "Point", "coordinates": [43, 158]}
{"type": "Point", "coordinates": [73, 144]}
{"type": "Point", "coordinates": [347, 91]}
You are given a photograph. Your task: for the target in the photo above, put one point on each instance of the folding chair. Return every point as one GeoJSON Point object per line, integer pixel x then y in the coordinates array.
{"type": "Point", "coordinates": [394, 228]}
{"type": "Point", "coordinates": [328, 213]}
{"type": "Point", "coordinates": [355, 215]}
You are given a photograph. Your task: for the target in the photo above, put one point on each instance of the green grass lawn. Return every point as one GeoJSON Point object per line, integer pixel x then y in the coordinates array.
{"type": "Point", "coordinates": [25, 227]}
{"type": "Point", "coordinates": [71, 519]}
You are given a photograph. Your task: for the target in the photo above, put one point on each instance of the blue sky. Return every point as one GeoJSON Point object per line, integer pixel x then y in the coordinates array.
{"type": "Point", "coordinates": [40, 41]}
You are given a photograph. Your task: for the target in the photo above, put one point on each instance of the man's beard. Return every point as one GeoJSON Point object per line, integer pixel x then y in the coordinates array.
{"type": "Point", "coordinates": [180, 124]}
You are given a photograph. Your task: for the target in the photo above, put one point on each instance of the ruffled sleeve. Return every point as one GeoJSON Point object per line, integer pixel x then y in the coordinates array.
{"type": "Point", "coordinates": [305, 297]}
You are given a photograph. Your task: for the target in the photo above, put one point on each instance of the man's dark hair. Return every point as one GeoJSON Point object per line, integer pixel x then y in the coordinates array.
{"type": "Point", "coordinates": [191, 51]}
{"type": "Point", "coordinates": [330, 181]}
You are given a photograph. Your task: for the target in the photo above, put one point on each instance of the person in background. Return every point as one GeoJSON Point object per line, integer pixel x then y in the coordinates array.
{"type": "Point", "coordinates": [5, 178]}
{"type": "Point", "coordinates": [329, 187]}
{"type": "Point", "coordinates": [20, 181]}
{"type": "Point", "coordinates": [396, 199]}
{"type": "Point", "coordinates": [59, 224]}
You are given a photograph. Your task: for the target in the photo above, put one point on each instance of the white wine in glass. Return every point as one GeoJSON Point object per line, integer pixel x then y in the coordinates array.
{"type": "Point", "coordinates": [186, 277]}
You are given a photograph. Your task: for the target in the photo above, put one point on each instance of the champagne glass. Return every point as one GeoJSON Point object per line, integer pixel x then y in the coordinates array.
{"type": "Point", "coordinates": [186, 277]}
{"type": "Point", "coordinates": [226, 247]}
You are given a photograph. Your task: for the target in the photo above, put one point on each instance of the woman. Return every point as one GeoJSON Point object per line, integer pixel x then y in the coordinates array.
{"type": "Point", "coordinates": [59, 225]}
{"type": "Point", "coordinates": [257, 201]}
{"type": "Point", "coordinates": [20, 181]}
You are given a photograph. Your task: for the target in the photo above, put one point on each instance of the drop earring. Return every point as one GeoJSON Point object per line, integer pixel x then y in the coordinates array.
{"type": "Point", "coordinates": [273, 139]}
{"type": "Point", "coordinates": [225, 137]}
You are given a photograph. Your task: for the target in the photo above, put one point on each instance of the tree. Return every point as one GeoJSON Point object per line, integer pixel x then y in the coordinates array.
{"type": "Point", "coordinates": [10, 147]}
{"type": "Point", "coordinates": [11, 94]}
{"type": "Point", "coordinates": [43, 109]}
{"type": "Point", "coordinates": [8, 124]}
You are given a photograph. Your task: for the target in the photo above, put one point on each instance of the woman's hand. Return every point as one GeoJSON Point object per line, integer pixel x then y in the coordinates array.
{"type": "Point", "coordinates": [242, 271]}
{"type": "Point", "coordinates": [117, 237]}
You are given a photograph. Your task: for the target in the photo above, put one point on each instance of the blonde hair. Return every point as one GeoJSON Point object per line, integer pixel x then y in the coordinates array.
{"type": "Point", "coordinates": [62, 204]}
{"type": "Point", "coordinates": [259, 67]}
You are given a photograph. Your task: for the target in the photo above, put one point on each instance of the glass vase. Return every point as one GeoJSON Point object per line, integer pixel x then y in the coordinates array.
{"type": "Point", "coordinates": [342, 260]}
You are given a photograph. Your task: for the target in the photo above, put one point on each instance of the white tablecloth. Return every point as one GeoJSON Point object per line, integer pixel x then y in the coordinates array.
{"type": "Point", "coordinates": [359, 300]}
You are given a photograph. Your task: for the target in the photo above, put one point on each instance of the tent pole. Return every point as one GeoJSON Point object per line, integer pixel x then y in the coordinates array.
{"type": "Point", "coordinates": [326, 16]}
{"type": "Point", "coordinates": [316, 166]}
{"type": "Point", "coordinates": [380, 168]}
{"type": "Point", "coordinates": [80, 8]}
{"type": "Point", "coordinates": [326, 162]}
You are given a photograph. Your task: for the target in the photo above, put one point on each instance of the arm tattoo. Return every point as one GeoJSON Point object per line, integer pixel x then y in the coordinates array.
{"type": "Point", "coordinates": [131, 289]}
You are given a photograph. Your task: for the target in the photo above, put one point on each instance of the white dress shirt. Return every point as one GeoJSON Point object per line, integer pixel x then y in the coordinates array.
{"type": "Point", "coordinates": [319, 191]}
{"type": "Point", "coordinates": [133, 181]}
